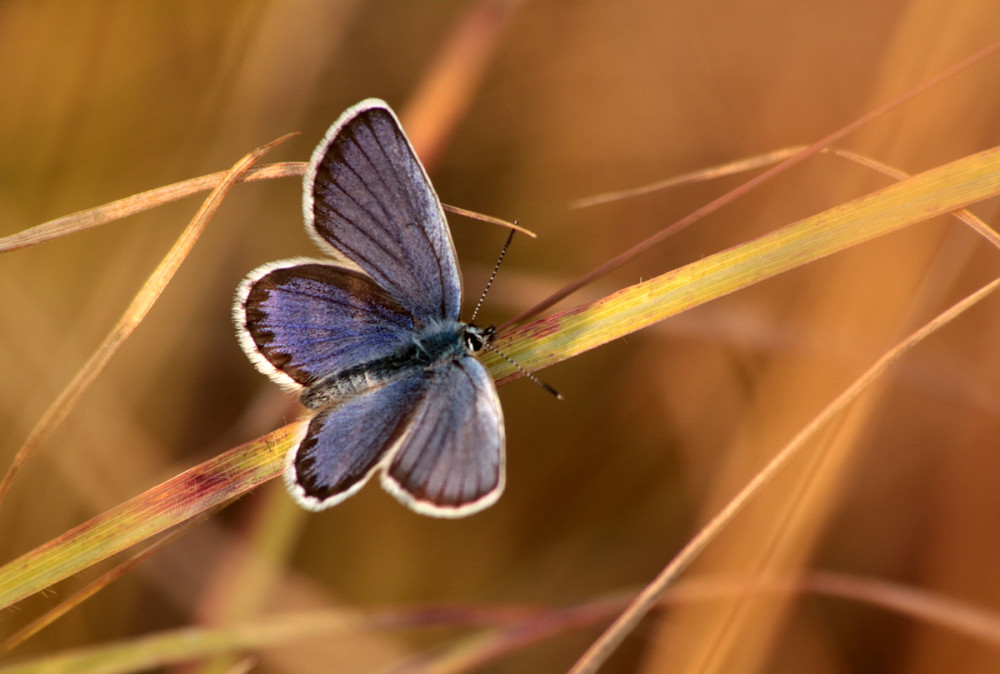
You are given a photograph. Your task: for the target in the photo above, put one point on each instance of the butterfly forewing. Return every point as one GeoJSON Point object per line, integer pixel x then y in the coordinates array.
{"type": "Point", "coordinates": [303, 320]}
{"type": "Point", "coordinates": [368, 196]}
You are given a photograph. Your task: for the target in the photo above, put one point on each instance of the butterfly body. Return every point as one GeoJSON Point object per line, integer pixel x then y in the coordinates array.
{"type": "Point", "coordinates": [434, 344]}
{"type": "Point", "coordinates": [371, 339]}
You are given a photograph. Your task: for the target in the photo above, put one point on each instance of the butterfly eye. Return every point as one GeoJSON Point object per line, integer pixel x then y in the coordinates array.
{"type": "Point", "coordinates": [475, 337]}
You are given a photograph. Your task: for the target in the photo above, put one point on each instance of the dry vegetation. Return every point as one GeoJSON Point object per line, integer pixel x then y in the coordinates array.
{"type": "Point", "coordinates": [875, 549]}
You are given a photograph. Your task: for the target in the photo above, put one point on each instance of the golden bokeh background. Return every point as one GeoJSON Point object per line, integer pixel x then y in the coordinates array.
{"type": "Point", "coordinates": [519, 108]}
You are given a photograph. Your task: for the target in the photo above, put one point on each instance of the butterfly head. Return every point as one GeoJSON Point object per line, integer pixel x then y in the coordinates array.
{"type": "Point", "coordinates": [475, 338]}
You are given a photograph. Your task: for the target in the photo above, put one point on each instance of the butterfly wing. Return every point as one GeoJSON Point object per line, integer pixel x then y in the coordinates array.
{"type": "Point", "coordinates": [451, 461]}
{"type": "Point", "coordinates": [346, 442]}
{"type": "Point", "coordinates": [368, 196]}
{"type": "Point", "coordinates": [300, 320]}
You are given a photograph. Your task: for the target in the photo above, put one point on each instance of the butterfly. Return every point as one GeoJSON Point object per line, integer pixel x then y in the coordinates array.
{"type": "Point", "coordinates": [371, 340]}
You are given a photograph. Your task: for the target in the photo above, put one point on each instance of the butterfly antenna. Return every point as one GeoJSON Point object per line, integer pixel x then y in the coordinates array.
{"type": "Point", "coordinates": [489, 332]}
{"type": "Point", "coordinates": [489, 283]}
{"type": "Point", "coordinates": [519, 368]}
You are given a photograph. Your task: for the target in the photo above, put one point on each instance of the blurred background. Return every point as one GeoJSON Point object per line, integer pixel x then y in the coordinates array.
{"type": "Point", "coordinates": [518, 109]}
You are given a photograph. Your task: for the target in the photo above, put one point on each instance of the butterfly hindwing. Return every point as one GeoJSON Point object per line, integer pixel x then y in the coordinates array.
{"type": "Point", "coordinates": [451, 463]}
{"type": "Point", "coordinates": [346, 442]}
{"type": "Point", "coordinates": [368, 196]}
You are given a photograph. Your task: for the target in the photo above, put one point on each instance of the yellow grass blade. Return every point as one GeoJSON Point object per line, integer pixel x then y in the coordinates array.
{"type": "Point", "coordinates": [133, 316]}
{"type": "Point", "coordinates": [568, 333]}
{"type": "Point", "coordinates": [175, 501]}
{"type": "Point", "coordinates": [137, 203]}
{"type": "Point", "coordinates": [71, 602]}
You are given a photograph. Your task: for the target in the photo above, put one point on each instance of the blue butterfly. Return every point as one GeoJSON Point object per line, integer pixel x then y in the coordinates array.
{"type": "Point", "coordinates": [372, 341]}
